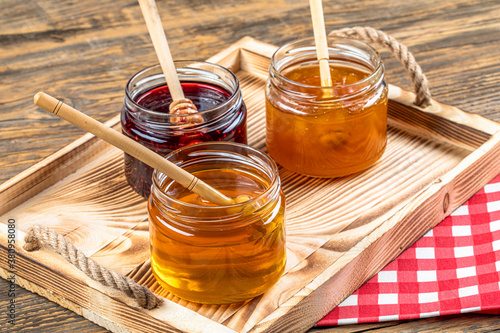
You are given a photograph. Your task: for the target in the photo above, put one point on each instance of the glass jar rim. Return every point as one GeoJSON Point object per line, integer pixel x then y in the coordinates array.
{"type": "Point", "coordinates": [182, 65]}
{"type": "Point", "coordinates": [274, 175]}
{"type": "Point", "coordinates": [274, 72]}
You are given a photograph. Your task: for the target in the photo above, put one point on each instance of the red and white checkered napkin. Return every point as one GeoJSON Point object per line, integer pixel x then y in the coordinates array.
{"type": "Point", "coordinates": [454, 268]}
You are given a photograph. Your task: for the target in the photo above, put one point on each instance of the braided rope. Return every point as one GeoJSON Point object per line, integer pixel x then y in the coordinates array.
{"type": "Point", "coordinates": [401, 52]}
{"type": "Point", "coordinates": [38, 236]}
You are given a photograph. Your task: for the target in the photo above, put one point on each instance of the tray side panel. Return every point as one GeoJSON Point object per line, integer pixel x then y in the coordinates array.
{"type": "Point", "coordinates": [34, 288]}
{"type": "Point", "coordinates": [432, 126]}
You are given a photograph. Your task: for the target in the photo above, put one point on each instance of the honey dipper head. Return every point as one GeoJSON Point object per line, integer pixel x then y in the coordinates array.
{"type": "Point", "coordinates": [241, 198]}
{"type": "Point", "coordinates": [184, 106]}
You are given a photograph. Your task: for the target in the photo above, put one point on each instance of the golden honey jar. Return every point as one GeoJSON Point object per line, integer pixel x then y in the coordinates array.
{"type": "Point", "coordinates": [329, 131]}
{"type": "Point", "coordinates": [214, 254]}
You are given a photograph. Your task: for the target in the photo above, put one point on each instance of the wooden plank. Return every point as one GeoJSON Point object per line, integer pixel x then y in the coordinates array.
{"type": "Point", "coordinates": [338, 228]}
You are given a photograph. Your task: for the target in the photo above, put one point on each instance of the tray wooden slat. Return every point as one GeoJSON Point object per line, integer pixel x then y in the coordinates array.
{"type": "Point", "coordinates": [340, 232]}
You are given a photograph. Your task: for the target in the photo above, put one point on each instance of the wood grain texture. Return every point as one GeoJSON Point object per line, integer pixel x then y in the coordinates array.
{"type": "Point", "coordinates": [85, 51]}
{"type": "Point", "coordinates": [339, 231]}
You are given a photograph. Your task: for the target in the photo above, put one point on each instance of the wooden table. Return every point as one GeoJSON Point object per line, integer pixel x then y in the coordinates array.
{"type": "Point", "coordinates": [85, 51]}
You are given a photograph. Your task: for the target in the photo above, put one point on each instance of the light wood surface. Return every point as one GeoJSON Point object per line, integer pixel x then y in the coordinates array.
{"type": "Point", "coordinates": [102, 44]}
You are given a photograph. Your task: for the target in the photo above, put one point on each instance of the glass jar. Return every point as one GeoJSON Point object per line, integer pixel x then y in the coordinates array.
{"type": "Point", "coordinates": [213, 254]}
{"type": "Point", "coordinates": [145, 116]}
{"type": "Point", "coordinates": [326, 131]}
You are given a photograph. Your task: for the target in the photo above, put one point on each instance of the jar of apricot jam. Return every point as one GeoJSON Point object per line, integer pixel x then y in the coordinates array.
{"type": "Point", "coordinates": [326, 131]}
{"type": "Point", "coordinates": [145, 115]}
{"type": "Point", "coordinates": [214, 254]}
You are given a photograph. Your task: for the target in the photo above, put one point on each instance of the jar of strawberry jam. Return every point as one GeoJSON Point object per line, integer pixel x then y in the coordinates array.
{"type": "Point", "coordinates": [326, 131]}
{"type": "Point", "coordinates": [214, 254]}
{"type": "Point", "coordinates": [145, 115]}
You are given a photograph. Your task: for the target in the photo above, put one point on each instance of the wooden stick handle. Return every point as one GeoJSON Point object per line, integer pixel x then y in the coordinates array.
{"type": "Point", "coordinates": [131, 147]}
{"type": "Point", "coordinates": [155, 28]}
{"type": "Point", "coordinates": [318, 21]}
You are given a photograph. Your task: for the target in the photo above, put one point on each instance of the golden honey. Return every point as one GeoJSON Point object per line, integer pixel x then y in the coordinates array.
{"type": "Point", "coordinates": [326, 131]}
{"type": "Point", "coordinates": [213, 254]}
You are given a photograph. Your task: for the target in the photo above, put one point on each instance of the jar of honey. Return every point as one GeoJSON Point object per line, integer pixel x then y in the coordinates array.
{"type": "Point", "coordinates": [146, 119]}
{"type": "Point", "coordinates": [214, 254]}
{"type": "Point", "coordinates": [326, 131]}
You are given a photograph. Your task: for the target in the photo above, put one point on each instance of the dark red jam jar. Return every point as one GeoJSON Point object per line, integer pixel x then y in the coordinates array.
{"type": "Point", "coordinates": [145, 116]}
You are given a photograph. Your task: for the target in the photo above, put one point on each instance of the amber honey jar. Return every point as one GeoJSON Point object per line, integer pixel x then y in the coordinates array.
{"type": "Point", "coordinates": [145, 116]}
{"type": "Point", "coordinates": [326, 131]}
{"type": "Point", "coordinates": [214, 254]}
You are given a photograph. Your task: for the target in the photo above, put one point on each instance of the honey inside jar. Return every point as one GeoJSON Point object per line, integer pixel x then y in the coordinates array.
{"type": "Point", "coordinates": [213, 254]}
{"type": "Point", "coordinates": [326, 131]}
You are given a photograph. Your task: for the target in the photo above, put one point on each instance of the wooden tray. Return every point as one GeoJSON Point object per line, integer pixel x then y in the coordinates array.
{"type": "Point", "coordinates": [339, 232]}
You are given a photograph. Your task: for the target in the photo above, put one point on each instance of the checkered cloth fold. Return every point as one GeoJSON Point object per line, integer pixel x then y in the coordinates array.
{"type": "Point", "coordinates": [454, 268]}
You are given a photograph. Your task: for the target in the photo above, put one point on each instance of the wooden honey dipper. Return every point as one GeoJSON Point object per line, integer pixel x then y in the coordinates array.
{"type": "Point", "coordinates": [135, 149]}
{"type": "Point", "coordinates": [318, 21]}
{"type": "Point", "coordinates": [180, 104]}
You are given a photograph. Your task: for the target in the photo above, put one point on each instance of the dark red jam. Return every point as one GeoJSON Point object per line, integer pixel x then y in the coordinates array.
{"type": "Point", "coordinates": [225, 122]}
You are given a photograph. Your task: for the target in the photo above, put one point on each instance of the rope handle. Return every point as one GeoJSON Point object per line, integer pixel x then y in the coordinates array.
{"type": "Point", "coordinates": [401, 52]}
{"type": "Point", "coordinates": [39, 235]}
